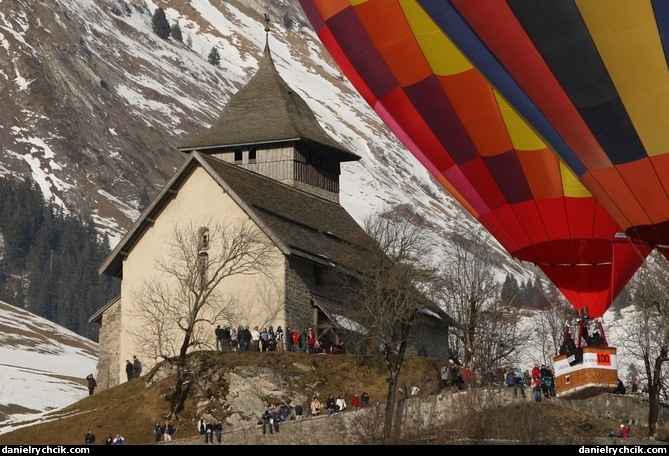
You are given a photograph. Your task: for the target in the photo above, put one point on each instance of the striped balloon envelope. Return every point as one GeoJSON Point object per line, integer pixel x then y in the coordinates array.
{"type": "Point", "coordinates": [478, 145]}
{"type": "Point", "coordinates": [592, 78]}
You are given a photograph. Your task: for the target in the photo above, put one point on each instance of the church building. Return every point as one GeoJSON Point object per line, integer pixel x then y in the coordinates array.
{"type": "Point", "coordinates": [265, 163]}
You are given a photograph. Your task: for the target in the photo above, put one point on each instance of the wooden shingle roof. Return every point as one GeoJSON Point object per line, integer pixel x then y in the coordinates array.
{"type": "Point", "coordinates": [306, 225]}
{"type": "Point", "coordinates": [266, 110]}
{"type": "Point", "coordinates": [299, 222]}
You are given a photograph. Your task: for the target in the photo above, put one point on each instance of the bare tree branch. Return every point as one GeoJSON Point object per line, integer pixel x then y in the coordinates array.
{"type": "Point", "coordinates": [646, 338]}
{"type": "Point", "coordinates": [178, 306]}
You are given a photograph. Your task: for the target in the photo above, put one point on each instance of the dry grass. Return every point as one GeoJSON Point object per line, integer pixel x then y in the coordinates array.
{"type": "Point", "coordinates": [132, 408]}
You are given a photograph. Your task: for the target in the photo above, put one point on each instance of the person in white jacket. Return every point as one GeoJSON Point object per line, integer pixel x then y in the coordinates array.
{"type": "Point", "coordinates": [340, 404]}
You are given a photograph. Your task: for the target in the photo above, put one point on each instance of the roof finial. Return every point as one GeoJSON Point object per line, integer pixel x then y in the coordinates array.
{"type": "Point", "coordinates": [266, 32]}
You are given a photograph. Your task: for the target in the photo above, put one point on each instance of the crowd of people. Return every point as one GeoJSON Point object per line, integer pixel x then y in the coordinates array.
{"type": "Point", "coordinates": [271, 419]}
{"type": "Point", "coordinates": [273, 416]}
{"type": "Point", "coordinates": [541, 380]}
{"type": "Point", "coordinates": [267, 339]}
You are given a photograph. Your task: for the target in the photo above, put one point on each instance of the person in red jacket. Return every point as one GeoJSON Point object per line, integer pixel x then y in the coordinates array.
{"type": "Point", "coordinates": [536, 372]}
{"type": "Point", "coordinates": [355, 401]}
{"type": "Point", "coordinates": [311, 340]}
{"type": "Point", "coordinates": [295, 338]}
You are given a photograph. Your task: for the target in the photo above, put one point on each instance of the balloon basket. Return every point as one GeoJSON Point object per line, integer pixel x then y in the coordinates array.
{"type": "Point", "coordinates": [587, 372]}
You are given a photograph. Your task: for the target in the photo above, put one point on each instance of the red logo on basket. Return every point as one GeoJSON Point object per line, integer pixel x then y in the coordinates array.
{"type": "Point", "coordinates": [603, 359]}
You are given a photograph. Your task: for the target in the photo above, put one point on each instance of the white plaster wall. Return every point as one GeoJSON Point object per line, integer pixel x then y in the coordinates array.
{"type": "Point", "coordinates": [201, 200]}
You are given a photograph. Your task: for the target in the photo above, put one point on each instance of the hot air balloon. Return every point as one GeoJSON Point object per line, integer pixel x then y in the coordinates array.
{"type": "Point", "coordinates": [592, 78]}
{"type": "Point", "coordinates": [463, 130]}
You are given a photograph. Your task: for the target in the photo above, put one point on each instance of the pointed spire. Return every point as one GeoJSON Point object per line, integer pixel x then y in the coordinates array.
{"type": "Point", "coordinates": [266, 33]}
{"type": "Point", "coordinates": [266, 110]}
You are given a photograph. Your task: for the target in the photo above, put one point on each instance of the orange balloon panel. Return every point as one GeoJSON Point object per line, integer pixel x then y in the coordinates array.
{"type": "Point", "coordinates": [449, 115]}
{"type": "Point", "coordinates": [592, 79]}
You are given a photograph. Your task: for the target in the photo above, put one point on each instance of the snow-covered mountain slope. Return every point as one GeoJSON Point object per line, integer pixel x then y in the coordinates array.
{"type": "Point", "coordinates": [43, 366]}
{"type": "Point", "coordinates": [95, 104]}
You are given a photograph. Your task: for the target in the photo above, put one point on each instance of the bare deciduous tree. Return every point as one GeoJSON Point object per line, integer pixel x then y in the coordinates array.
{"type": "Point", "coordinates": [388, 293]}
{"type": "Point", "coordinates": [178, 306]}
{"type": "Point", "coordinates": [549, 334]}
{"type": "Point", "coordinates": [487, 333]}
{"type": "Point", "coordinates": [646, 338]}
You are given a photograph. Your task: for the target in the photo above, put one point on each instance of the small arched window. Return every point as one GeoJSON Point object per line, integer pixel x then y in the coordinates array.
{"type": "Point", "coordinates": [204, 239]}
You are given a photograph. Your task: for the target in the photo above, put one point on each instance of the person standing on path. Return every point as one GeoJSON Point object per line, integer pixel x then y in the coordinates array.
{"type": "Point", "coordinates": [157, 431]}
{"type": "Point", "coordinates": [169, 430]}
{"type": "Point", "coordinates": [267, 422]}
{"type": "Point", "coordinates": [90, 438]}
{"type": "Point", "coordinates": [91, 384]}
{"type": "Point", "coordinates": [128, 369]}
{"type": "Point", "coordinates": [218, 430]}
{"type": "Point", "coordinates": [136, 367]}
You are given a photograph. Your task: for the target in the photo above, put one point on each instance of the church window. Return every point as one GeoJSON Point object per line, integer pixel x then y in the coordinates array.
{"type": "Point", "coordinates": [204, 238]}
{"type": "Point", "coordinates": [252, 154]}
{"type": "Point", "coordinates": [238, 155]}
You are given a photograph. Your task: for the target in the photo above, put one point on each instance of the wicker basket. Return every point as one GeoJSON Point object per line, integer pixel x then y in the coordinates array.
{"type": "Point", "coordinates": [588, 379]}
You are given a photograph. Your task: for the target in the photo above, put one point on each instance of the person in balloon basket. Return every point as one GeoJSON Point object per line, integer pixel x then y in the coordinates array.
{"type": "Point", "coordinates": [595, 340]}
{"type": "Point", "coordinates": [569, 346]}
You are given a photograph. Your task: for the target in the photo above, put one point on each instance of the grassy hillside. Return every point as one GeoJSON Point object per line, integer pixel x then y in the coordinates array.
{"type": "Point", "coordinates": [133, 407]}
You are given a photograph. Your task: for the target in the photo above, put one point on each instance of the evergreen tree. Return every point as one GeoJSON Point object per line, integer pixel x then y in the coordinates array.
{"type": "Point", "coordinates": [160, 25]}
{"type": "Point", "coordinates": [176, 33]}
{"type": "Point", "coordinates": [510, 293]}
{"type": "Point", "coordinates": [540, 300]}
{"type": "Point", "coordinates": [50, 260]}
{"type": "Point", "coordinates": [214, 57]}
{"type": "Point", "coordinates": [288, 21]}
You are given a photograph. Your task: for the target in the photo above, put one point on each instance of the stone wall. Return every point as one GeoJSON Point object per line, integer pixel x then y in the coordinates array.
{"type": "Point", "coordinates": [426, 413]}
{"type": "Point", "coordinates": [109, 347]}
{"type": "Point", "coordinates": [624, 408]}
